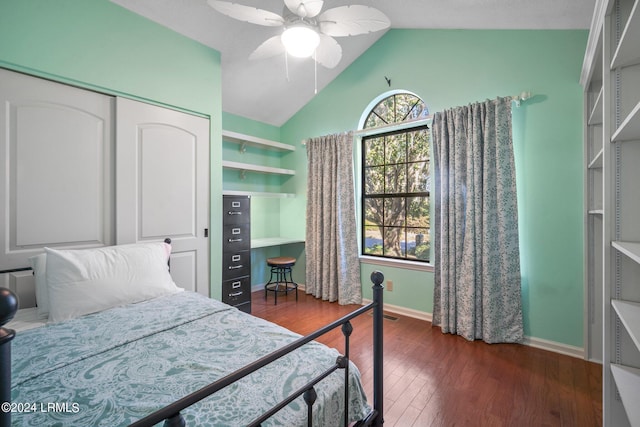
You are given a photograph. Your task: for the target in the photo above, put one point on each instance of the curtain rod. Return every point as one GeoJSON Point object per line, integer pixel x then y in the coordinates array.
{"type": "Point", "coordinates": [397, 126]}
{"type": "Point", "coordinates": [521, 98]}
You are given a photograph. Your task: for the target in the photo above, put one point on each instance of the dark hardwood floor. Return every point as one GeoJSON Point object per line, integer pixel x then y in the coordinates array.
{"type": "Point", "coordinates": [436, 379]}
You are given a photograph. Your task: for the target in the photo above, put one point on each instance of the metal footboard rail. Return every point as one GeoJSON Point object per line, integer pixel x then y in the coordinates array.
{"type": "Point", "coordinates": [171, 413]}
{"type": "Point", "coordinates": [173, 418]}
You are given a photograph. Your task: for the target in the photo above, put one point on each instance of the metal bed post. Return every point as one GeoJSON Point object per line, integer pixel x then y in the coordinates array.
{"type": "Point", "coordinates": [8, 308]}
{"type": "Point", "coordinates": [378, 310]}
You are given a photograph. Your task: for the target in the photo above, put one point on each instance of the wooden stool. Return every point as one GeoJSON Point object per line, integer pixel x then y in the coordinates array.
{"type": "Point", "coordinates": [280, 266]}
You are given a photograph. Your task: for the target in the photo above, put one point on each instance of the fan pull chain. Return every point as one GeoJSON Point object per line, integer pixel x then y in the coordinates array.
{"type": "Point", "coordinates": [286, 65]}
{"type": "Point", "coordinates": [315, 72]}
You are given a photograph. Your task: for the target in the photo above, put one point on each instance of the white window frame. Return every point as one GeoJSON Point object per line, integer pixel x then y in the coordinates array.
{"type": "Point", "coordinates": [357, 161]}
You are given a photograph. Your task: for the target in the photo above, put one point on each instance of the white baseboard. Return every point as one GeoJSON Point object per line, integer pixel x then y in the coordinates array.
{"type": "Point", "coordinates": [543, 344]}
{"type": "Point", "coordinates": [409, 312]}
{"type": "Point", "coordinates": [540, 343]}
{"type": "Point", "coordinates": [554, 346]}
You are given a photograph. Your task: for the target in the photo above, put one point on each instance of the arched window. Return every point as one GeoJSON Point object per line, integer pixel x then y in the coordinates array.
{"type": "Point", "coordinates": [396, 181]}
{"type": "Point", "coordinates": [397, 108]}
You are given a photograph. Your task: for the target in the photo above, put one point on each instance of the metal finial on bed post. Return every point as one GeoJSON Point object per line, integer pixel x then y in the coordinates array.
{"type": "Point", "coordinates": [8, 308]}
{"type": "Point", "coordinates": [378, 310]}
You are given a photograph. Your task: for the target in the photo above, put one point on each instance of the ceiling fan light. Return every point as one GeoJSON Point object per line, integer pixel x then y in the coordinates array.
{"type": "Point", "coordinates": [300, 41]}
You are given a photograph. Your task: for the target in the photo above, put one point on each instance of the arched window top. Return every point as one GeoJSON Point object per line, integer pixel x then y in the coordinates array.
{"type": "Point", "coordinates": [397, 108]}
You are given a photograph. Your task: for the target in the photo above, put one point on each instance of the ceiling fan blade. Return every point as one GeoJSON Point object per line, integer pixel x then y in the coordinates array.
{"type": "Point", "coordinates": [304, 8]}
{"type": "Point", "coordinates": [352, 20]}
{"type": "Point", "coordinates": [328, 52]}
{"type": "Point", "coordinates": [272, 47]}
{"type": "Point", "coordinates": [247, 13]}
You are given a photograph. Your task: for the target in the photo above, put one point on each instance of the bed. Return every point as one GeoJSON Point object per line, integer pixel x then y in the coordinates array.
{"type": "Point", "coordinates": [122, 355]}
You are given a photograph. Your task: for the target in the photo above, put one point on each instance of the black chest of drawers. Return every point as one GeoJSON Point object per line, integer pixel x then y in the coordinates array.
{"type": "Point", "coordinates": [236, 252]}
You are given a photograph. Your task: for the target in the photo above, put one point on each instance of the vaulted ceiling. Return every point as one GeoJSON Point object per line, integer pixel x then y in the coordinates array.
{"type": "Point", "coordinates": [260, 89]}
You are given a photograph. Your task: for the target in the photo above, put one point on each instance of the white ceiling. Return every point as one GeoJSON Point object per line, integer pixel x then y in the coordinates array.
{"type": "Point", "coordinates": [259, 90]}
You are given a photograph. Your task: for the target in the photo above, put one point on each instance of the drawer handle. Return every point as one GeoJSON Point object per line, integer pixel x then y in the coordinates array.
{"type": "Point", "coordinates": [233, 267]}
{"type": "Point", "coordinates": [234, 240]}
{"type": "Point", "coordinates": [236, 294]}
{"type": "Point", "coordinates": [234, 213]}
{"type": "Point", "coordinates": [236, 285]}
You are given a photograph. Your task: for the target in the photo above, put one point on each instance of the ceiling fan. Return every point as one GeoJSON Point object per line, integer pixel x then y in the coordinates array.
{"type": "Point", "coordinates": [307, 32]}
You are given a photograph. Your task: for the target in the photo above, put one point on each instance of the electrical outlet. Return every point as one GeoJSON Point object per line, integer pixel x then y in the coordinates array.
{"type": "Point", "coordinates": [389, 285]}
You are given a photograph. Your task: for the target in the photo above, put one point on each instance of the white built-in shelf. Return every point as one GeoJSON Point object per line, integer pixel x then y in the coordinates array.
{"type": "Point", "coordinates": [257, 194]}
{"type": "Point", "coordinates": [629, 314]}
{"type": "Point", "coordinates": [628, 383]}
{"type": "Point", "coordinates": [273, 241]}
{"type": "Point", "coordinates": [595, 118]}
{"type": "Point", "coordinates": [596, 163]}
{"type": "Point", "coordinates": [630, 128]}
{"type": "Point", "coordinates": [628, 51]}
{"type": "Point", "coordinates": [630, 249]}
{"type": "Point", "coordinates": [254, 141]}
{"type": "Point", "coordinates": [596, 212]}
{"type": "Point", "coordinates": [256, 168]}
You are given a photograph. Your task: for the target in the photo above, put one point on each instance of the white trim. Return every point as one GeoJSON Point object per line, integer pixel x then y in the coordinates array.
{"type": "Point", "coordinates": [394, 127]}
{"type": "Point", "coordinates": [554, 346]}
{"type": "Point", "coordinates": [396, 263]}
{"type": "Point", "coordinates": [403, 311]}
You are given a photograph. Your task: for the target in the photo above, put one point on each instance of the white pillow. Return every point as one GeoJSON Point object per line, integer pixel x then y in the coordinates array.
{"type": "Point", "coordinates": [39, 267]}
{"type": "Point", "coordinates": [90, 280]}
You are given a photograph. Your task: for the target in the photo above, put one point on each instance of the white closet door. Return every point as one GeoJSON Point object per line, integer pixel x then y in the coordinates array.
{"type": "Point", "coordinates": [162, 185]}
{"type": "Point", "coordinates": [55, 167]}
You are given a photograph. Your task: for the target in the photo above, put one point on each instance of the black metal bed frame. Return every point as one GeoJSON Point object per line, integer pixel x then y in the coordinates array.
{"type": "Point", "coordinates": [171, 413]}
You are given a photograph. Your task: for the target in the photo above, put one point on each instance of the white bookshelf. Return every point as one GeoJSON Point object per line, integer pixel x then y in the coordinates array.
{"type": "Point", "coordinates": [273, 241]}
{"type": "Point", "coordinates": [254, 141]}
{"type": "Point", "coordinates": [615, 173]}
{"type": "Point", "coordinates": [227, 164]}
{"type": "Point", "coordinates": [257, 194]}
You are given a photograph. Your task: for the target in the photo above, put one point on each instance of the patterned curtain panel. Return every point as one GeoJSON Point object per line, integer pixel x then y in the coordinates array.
{"type": "Point", "coordinates": [333, 268]}
{"type": "Point", "coordinates": [477, 290]}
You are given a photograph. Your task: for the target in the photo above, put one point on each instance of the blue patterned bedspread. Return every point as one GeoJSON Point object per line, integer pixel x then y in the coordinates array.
{"type": "Point", "coordinates": [115, 367]}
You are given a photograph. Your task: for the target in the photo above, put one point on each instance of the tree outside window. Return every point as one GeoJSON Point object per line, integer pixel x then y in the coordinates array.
{"type": "Point", "coordinates": [396, 171]}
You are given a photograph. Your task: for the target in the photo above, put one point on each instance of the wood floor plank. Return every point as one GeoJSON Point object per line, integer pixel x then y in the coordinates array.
{"type": "Point", "coordinates": [433, 379]}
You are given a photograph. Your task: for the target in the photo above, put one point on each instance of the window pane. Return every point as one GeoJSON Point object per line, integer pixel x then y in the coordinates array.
{"type": "Point", "coordinates": [396, 179]}
{"type": "Point", "coordinates": [418, 212]}
{"type": "Point", "coordinates": [418, 145]}
{"type": "Point", "coordinates": [374, 151]}
{"type": "Point", "coordinates": [394, 211]}
{"type": "Point", "coordinates": [419, 111]}
{"type": "Point", "coordinates": [374, 180]}
{"type": "Point", "coordinates": [393, 236]}
{"type": "Point", "coordinates": [396, 183]}
{"type": "Point", "coordinates": [373, 211]}
{"type": "Point", "coordinates": [395, 109]}
{"type": "Point", "coordinates": [372, 240]}
{"type": "Point", "coordinates": [385, 109]}
{"type": "Point", "coordinates": [373, 121]}
{"type": "Point", "coordinates": [396, 149]}
{"type": "Point", "coordinates": [419, 179]}
{"type": "Point", "coordinates": [418, 244]}
{"type": "Point", "coordinates": [405, 104]}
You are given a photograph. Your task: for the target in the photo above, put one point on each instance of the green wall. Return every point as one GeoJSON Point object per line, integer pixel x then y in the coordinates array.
{"type": "Point", "coordinates": [265, 211]}
{"type": "Point", "coordinates": [448, 68]}
{"type": "Point", "coordinates": [99, 45]}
